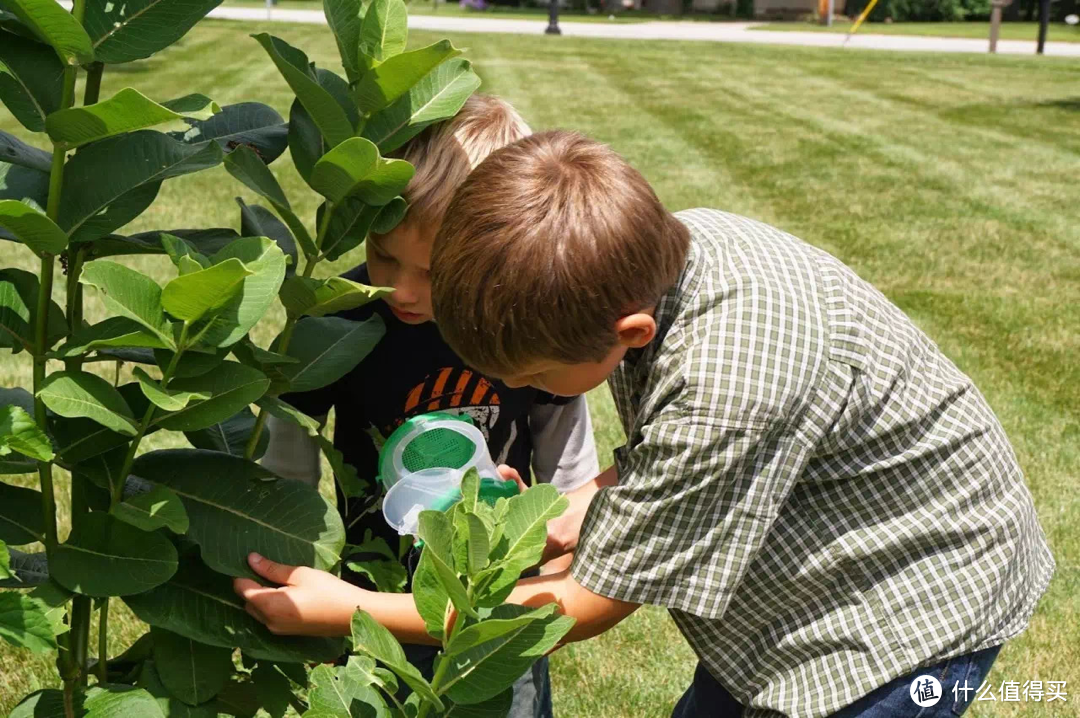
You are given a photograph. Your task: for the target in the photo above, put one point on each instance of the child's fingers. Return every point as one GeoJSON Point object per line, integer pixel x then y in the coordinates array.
{"type": "Point", "coordinates": [249, 590]}
{"type": "Point", "coordinates": [276, 572]}
{"type": "Point", "coordinates": [509, 473]}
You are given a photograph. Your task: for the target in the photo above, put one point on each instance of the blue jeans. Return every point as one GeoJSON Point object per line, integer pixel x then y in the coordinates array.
{"type": "Point", "coordinates": [706, 698]}
{"type": "Point", "coordinates": [532, 691]}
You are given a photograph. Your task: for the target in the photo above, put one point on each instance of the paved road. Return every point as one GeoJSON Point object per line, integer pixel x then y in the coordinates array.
{"type": "Point", "coordinates": [702, 31]}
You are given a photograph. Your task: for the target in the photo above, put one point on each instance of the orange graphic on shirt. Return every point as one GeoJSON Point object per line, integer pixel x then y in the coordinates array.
{"type": "Point", "coordinates": [456, 391]}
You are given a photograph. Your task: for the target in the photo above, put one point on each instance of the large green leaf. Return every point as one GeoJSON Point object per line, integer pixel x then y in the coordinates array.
{"type": "Point", "coordinates": [491, 629]}
{"type": "Point", "coordinates": [56, 26]}
{"type": "Point", "coordinates": [344, 692]}
{"type": "Point", "coordinates": [229, 436]}
{"type": "Point", "coordinates": [329, 348]}
{"type": "Point", "coordinates": [120, 701]}
{"type": "Point", "coordinates": [126, 111]}
{"type": "Point", "coordinates": [157, 508]}
{"type": "Point", "coordinates": [258, 221]}
{"type": "Point", "coordinates": [23, 623]}
{"type": "Point", "coordinates": [274, 689]}
{"type": "Point", "coordinates": [319, 297]}
{"type": "Point", "coordinates": [389, 80]}
{"type": "Point", "coordinates": [306, 144]}
{"type": "Point", "coordinates": [245, 165]}
{"type": "Point", "coordinates": [18, 311]}
{"type": "Point", "coordinates": [432, 601]}
{"type": "Point", "coordinates": [228, 498]}
{"type": "Point", "coordinates": [200, 604]}
{"type": "Point", "coordinates": [19, 432]}
{"type": "Point", "coordinates": [107, 557]}
{"type": "Point", "coordinates": [122, 173]}
{"type": "Point", "coordinates": [438, 96]}
{"type": "Point", "coordinates": [31, 81]}
{"type": "Point", "coordinates": [349, 226]}
{"type": "Point", "coordinates": [265, 260]}
{"type": "Point", "coordinates": [46, 704]}
{"type": "Point", "coordinates": [191, 296]}
{"type": "Point", "coordinates": [485, 670]}
{"type": "Point", "coordinates": [231, 387]}
{"type": "Point", "coordinates": [384, 31]}
{"type": "Point", "coordinates": [325, 111]}
{"type": "Point", "coordinates": [80, 394]}
{"type": "Point", "coordinates": [15, 151]}
{"type": "Point", "coordinates": [113, 332]}
{"type": "Point", "coordinates": [171, 707]}
{"type": "Point", "coordinates": [191, 364]}
{"type": "Point", "coordinates": [132, 30]}
{"type": "Point", "coordinates": [437, 532]}
{"type": "Point", "coordinates": [390, 216]}
{"type": "Point", "coordinates": [206, 241]}
{"type": "Point", "coordinates": [374, 641]}
{"type": "Point", "coordinates": [32, 227]}
{"type": "Point", "coordinates": [253, 124]}
{"type": "Point", "coordinates": [526, 522]}
{"type": "Point", "coordinates": [354, 169]}
{"type": "Point", "coordinates": [193, 672]}
{"type": "Point", "coordinates": [345, 18]}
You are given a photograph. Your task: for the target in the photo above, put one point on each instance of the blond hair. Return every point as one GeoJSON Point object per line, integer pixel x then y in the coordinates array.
{"type": "Point", "coordinates": [546, 245]}
{"type": "Point", "coordinates": [445, 153]}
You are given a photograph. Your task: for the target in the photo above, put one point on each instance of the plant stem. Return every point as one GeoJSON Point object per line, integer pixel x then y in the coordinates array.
{"type": "Point", "coordinates": [103, 642]}
{"type": "Point", "coordinates": [437, 679]}
{"type": "Point", "coordinates": [80, 634]}
{"type": "Point", "coordinates": [93, 82]}
{"type": "Point", "coordinates": [286, 334]}
{"type": "Point", "coordinates": [144, 424]}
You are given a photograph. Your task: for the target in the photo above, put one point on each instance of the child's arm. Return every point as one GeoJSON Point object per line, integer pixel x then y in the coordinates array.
{"type": "Point", "coordinates": [316, 603]}
{"type": "Point", "coordinates": [291, 453]}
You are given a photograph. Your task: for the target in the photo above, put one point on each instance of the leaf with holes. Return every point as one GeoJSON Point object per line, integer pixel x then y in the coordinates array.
{"type": "Point", "coordinates": [107, 557]}
{"type": "Point", "coordinates": [286, 521]}
{"type": "Point", "coordinates": [136, 29]}
{"type": "Point", "coordinates": [252, 124]}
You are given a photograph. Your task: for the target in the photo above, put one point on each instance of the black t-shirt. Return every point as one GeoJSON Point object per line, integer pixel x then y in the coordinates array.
{"type": "Point", "coordinates": [412, 371]}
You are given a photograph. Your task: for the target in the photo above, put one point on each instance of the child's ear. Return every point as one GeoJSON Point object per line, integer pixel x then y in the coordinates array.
{"type": "Point", "coordinates": [636, 330]}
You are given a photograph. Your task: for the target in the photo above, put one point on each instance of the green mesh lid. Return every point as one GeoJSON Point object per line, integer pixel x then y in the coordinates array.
{"type": "Point", "coordinates": [423, 446]}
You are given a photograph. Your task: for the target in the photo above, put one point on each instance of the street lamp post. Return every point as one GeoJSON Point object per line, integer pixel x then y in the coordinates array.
{"type": "Point", "coordinates": [553, 19]}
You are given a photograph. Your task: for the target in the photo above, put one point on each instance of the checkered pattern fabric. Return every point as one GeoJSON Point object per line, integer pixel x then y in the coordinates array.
{"type": "Point", "coordinates": [819, 496]}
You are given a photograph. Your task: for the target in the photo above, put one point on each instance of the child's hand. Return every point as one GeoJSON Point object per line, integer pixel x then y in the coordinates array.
{"type": "Point", "coordinates": [309, 603]}
{"type": "Point", "coordinates": [509, 473]}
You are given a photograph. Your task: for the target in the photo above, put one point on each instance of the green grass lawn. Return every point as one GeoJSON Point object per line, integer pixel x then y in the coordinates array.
{"type": "Point", "coordinates": [948, 181]}
{"type": "Point", "coordinates": [1057, 32]}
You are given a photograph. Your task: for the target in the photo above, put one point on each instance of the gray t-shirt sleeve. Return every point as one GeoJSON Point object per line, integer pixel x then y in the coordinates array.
{"type": "Point", "coordinates": [291, 453]}
{"type": "Point", "coordinates": [564, 452]}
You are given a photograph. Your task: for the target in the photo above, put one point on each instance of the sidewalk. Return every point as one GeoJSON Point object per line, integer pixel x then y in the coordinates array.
{"type": "Point", "coordinates": [699, 31]}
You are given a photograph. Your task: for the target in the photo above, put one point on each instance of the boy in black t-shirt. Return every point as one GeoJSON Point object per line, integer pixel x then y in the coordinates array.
{"type": "Point", "coordinates": [412, 371]}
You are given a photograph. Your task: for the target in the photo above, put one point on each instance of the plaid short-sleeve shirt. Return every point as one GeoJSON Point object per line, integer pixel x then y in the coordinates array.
{"type": "Point", "coordinates": [820, 497]}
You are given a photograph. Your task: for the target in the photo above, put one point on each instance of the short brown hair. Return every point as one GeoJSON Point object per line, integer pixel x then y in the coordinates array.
{"type": "Point", "coordinates": [545, 246]}
{"type": "Point", "coordinates": [445, 153]}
